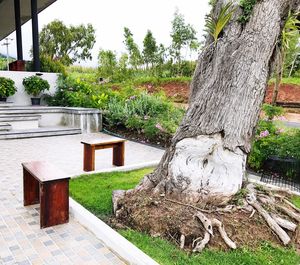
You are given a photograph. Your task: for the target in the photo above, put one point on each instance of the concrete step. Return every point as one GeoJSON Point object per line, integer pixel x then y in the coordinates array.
{"type": "Point", "coordinates": [5, 127]}
{"type": "Point", "coordinates": [21, 121]}
{"type": "Point", "coordinates": [18, 117]}
{"type": "Point", "coordinates": [40, 132]}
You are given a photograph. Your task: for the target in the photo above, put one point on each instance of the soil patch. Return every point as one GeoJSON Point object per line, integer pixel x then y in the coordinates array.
{"type": "Point", "coordinates": [287, 93]}
{"type": "Point", "coordinates": [179, 92]}
{"type": "Point", "coordinates": [159, 217]}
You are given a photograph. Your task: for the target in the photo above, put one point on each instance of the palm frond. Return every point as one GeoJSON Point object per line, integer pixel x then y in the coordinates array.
{"type": "Point", "coordinates": [215, 25]}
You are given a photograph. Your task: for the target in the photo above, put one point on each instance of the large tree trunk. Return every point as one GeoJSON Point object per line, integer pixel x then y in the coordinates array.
{"type": "Point", "coordinates": [207, 156]}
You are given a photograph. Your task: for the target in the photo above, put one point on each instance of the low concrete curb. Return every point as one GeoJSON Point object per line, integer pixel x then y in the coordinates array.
{"type": "Point", "coordinates": [253, 178]}
{"type": "Point", "coordinates": [113, 240]}
{"type": "Point", "coordinates": [122, 168]}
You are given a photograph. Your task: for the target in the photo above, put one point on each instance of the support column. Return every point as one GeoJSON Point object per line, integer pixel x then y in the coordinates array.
{"type": "Point", "coordinates": [18, 29]}
{"type": "Point", "coordinates": [35, 37]}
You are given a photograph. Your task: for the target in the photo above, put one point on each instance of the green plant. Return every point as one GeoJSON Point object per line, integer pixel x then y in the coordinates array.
{"type": "Point", "coordinates": [215, 25]}
{"type": "Point", "coordinates": [34, 85]}
{"type": "Point", "coordinates": [273, 141]}
{"type": "Point", "coordinates": [7, 87]}
{"type": "Point", "coordinates": [272, 111]}
{"type": "Point", "coordinates": [247, 8]}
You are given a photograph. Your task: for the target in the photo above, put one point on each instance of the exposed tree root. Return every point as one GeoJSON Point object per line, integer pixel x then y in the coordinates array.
{"type": "Point", "coordinates": [262, 215]}
{"type": "Point", "coordinates": [284, 223]}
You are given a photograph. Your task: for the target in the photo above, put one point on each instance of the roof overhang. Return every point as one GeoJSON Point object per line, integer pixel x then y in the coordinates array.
{"type": "Point", "coordinates": [7, 14]}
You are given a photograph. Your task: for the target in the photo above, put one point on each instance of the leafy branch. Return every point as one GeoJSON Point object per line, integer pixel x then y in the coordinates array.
{"type": "Point", "coordinates": [215, 25]}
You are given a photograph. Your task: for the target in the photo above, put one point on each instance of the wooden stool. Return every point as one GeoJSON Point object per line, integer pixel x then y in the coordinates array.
{"type": "Point", "coordinates": [89, 148]}
{"type": "Point", "coordinates": [45, 184]}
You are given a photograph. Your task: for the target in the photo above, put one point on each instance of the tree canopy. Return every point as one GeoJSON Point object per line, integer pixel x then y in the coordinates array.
{"type": "Point", "coordinates": [67, 44]}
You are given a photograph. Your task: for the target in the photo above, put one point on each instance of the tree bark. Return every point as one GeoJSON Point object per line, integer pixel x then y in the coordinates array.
{"type": "Point", "coordinates": [207, 155]}
{"type": "Point", "coordinates": [278, 75]}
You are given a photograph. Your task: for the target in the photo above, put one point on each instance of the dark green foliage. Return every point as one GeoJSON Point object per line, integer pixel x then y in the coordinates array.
{"type": "Point", "coordinates": [48, 66]}
{"type": "Point", "coordinates": [272, 111]}
{"type": "Point", "coordinates": [34, 85]}
{"type": "Point", "coordinates": [7, 87]}
{"type": "Point", "coordinates": [247, 8]}
{"type": "Point", "coordinates": [272, 141]}
{"type": "Point", "coordinates": [67, 44]}
{"type": "Point", "coordinates": [77, 93]}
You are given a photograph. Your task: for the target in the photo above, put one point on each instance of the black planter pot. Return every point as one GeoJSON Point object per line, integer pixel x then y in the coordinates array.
{"type": "Point", "coordinates": [36, 101]}
{"type": "Point", "coordinates": [3, 99]}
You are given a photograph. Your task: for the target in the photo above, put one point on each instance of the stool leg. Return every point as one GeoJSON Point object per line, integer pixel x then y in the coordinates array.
{"type": "Point", "coordinates": [30, 189]}
{"type": "Point", "coordinates": [88, 158]}
{"type": "Point", "coordinates": [54, 208]}
{"type": "Point", "coordinates": [119, 154]}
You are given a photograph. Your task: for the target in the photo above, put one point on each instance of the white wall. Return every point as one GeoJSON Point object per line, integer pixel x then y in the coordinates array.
{"type": "Point", "coordinates": [21, 98]}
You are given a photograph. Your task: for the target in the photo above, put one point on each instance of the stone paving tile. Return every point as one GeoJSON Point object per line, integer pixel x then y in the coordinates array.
{"type": "Point", "coordinates": [21, 239]}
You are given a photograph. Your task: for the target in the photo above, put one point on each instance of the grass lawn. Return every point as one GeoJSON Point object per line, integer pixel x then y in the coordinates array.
{"type": "Point", "coordinates": [290, 80]}
{"type": "Point", "coordinates": [94, 193]}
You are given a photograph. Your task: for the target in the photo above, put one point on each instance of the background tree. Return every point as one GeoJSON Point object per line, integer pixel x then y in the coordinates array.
{"type": "Point", "coordinates": [183, 37]}
{"type": "Point", "coordinates": [135, 58]}
{"type": "Point", "coordinates": [107, 63]}
{"type": "Point", "coordinates": [150, 49]}
{"type": "Point", "coordinates": [284, 49]}
{"type": "Point", "coordinates": [67, 44]}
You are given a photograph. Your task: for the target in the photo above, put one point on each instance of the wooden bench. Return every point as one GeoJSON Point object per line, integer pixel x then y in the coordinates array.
{"type": "Point", "coordinates": [90, 146]}
{"type": "Point", "coordinates": [45, 184]}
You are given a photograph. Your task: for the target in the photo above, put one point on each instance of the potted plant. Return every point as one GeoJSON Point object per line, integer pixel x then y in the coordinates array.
{"type": "Point", "coordinates": [35, 85]}
{"type": "Point", "coordinates": [7, 88]}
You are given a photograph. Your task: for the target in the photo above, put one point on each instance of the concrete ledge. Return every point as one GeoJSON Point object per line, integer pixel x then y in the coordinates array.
{"type": "Point", "coordinates": [123, 168]}
{"type": "Point", "coordinates": [113, 240]}
{"type": "Point", "coordinates": [87, 119]}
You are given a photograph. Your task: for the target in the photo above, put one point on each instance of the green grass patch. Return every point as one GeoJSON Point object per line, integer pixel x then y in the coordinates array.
{"type": "Point", "coordinates": [166, 253]}
{"type": "Point", "coordinates": [94, 192]}
{"type": "Point", "coordinates": [296, 200]}
{"type": "Point", "coordinates": [290, 80]}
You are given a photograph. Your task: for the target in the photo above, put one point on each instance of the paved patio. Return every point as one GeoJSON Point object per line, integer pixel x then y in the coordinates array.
{"type": "Point", "coordinates": [21, 239]}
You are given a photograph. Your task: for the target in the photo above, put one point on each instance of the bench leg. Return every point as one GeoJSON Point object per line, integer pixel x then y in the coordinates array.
{"type": "Point", "coordinates": [30, 189]}
{"type": "Point", "coordinates": [88, 158]}
{"type": "Point", "coordinates": [54, 198]}
{"type": "Point", "coordinates": [119, 154]}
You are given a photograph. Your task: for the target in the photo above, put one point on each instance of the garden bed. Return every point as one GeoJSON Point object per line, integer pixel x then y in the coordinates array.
{"type": "Point", "coordinates": [94, 193]}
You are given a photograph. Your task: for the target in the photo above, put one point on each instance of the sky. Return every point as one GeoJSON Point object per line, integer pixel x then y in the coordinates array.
{"type": "Point", "coordinates": [110, 17]}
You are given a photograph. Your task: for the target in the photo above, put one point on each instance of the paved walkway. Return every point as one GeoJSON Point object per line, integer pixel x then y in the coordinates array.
{"type": "Point", "coordinates": [21, 239]}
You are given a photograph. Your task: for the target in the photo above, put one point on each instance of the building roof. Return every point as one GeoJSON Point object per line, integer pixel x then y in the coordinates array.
{"type": "Point", "coordinates": [7, 15]}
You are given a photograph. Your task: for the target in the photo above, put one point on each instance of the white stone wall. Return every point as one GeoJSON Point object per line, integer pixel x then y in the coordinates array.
{"type": "Point", "coordinates": [21, 98]}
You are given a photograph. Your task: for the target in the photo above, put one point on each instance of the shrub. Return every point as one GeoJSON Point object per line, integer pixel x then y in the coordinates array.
{"type": "Point", "coordinates": [7, 87]}
{"type": "Point", "coordinates": [34, 85]}
{"type": "Point", "coordinates": [273, 141]}
{"type": "Point", "coordinates": [50, 66]}
{"type": "Point", "coordinates": [152, 115]}
{"type": "Point", "coordinates": [272, 111]}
